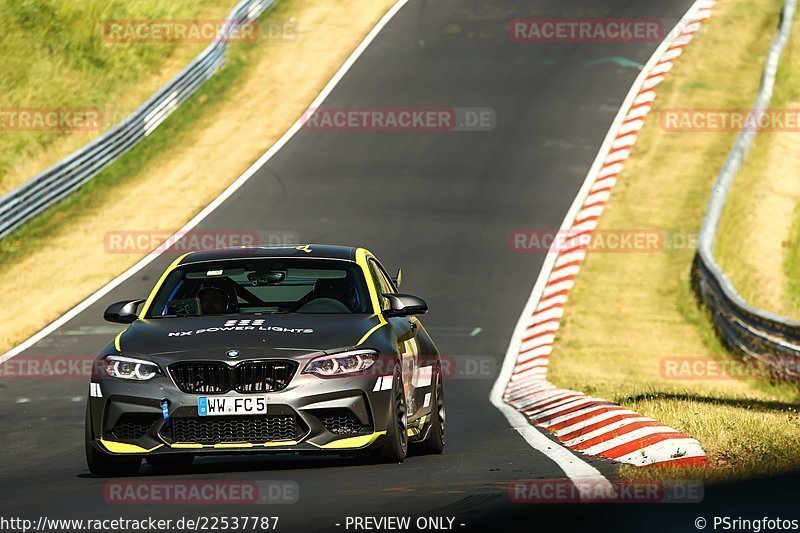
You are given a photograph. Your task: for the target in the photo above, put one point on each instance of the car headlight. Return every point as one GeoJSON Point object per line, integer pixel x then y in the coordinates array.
{"type": "Point", "coordinates": [117, 366]}
{"type": "Point", "coordinates": [340, 364]}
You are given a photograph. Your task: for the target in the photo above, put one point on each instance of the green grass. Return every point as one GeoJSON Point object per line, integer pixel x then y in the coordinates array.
{"type": "Point", "coordinates": [53, 55]}
{"type": "Point", "coordinates": [98, 192]}
{"type": "Point", "coordinates": [792, 262]}
{"type": "Point", "coordinates": [758, 242]}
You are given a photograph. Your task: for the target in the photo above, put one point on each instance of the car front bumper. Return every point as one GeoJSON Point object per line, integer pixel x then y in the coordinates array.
{"type": "Point", "coordinates": [338, 415]}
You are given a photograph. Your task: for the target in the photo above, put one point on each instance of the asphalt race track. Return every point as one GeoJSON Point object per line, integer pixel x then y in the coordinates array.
{"type": "Point", "coordinates": [440, 205]}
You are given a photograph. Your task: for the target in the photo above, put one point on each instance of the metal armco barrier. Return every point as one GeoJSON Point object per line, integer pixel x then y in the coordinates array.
{"type": "Point", "coordinates": [769, 340]}
{"type": "Point", "coordinates": [69, 174]}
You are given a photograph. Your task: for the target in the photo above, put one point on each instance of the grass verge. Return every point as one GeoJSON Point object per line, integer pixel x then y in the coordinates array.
{"type": "Point", "coordinates": [630, 314]}
{"type": "Point", "coordinates": [792, 263]}
{"type": "Point", "coordinates": [757, 245]}
{"type": "Point", "coordinates": [185, 164]}
{"type": "Point", "coordinates": [56, 56]}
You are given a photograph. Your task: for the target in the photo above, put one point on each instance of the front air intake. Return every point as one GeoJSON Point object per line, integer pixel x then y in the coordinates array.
{"type": "Point", "coordinates": [247, 377]}
{"type": "Point", "coordinates": [222, 429]}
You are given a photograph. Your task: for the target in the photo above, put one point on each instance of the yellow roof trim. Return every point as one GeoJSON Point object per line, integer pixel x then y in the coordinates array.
{"type": "Point", "coordinates": [362, 256]}
{"type": "Point", "coordinates": [163, 277]}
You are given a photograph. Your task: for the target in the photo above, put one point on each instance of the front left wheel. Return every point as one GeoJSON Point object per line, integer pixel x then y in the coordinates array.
{"type": "Point", "coordinates": [396, 447]}
{"type": "Point", "coordinates": [104, 464]}
{"type": "Point", "coordinates": [434, 442]}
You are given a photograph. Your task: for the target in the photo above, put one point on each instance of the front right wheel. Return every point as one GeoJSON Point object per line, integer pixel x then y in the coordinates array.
{"type": "Point", "coordinates": [396, 447]}
{"type": "Point", "coordinates": [434, 442]}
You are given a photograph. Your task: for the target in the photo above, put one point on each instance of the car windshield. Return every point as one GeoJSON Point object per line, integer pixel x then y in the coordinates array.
{"type": "Point", "coordinates": [262, 286]}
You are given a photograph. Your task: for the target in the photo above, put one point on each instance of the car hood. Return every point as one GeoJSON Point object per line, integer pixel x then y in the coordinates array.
{"type": "Point", "coordinates": [265, 335]}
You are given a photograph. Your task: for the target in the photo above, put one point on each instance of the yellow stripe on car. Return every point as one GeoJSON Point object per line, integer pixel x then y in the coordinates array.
{"type": "Point", "coordinates": [117, 339]}
{"type": "Point", "coordinates": [121, 447]}
{"type": "Point", "coordinates": [280, 443]}
{"type": "Point", "coordinates": [161, 280]}
{"type": "Point", "coordinates": [371, 331]}
{"type": "Point", "coordinates": [362, 256]}
{"type": "Point", "coordinates": [351, 442]}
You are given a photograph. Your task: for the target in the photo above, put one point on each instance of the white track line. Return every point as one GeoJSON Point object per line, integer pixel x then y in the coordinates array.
{"type": "Point", "coordinates": [219, 200]}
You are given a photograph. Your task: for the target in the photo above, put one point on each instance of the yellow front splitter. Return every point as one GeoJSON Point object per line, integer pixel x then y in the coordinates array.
{"type": "Point", "coordinates": [350, 442]}
{"type": "Point", "coordinates": [122, 447]}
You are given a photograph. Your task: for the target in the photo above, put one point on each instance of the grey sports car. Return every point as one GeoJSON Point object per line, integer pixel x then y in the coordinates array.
{"type": "Point", "coordinates": [264, 350]}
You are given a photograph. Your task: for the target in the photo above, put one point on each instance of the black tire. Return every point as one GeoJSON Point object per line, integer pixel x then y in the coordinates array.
{"type": "Point", "coordinates": [396, 447]}
{"type": "Point", "coordinates": [104, 464]}
{"type": "Point", "coordinates": [171, 463]}
{"type": "Point", "coordinates": [434, 442]}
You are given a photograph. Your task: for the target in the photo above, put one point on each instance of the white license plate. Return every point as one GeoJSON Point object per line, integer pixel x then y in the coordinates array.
{"type": "Point", "coordinates": [231, 405]}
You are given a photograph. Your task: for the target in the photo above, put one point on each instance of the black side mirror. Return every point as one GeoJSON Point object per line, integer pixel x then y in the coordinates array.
{"type": "Point", "coordinates": [405, 305]}
{"type": "Point", "coordinates": [123, 312]}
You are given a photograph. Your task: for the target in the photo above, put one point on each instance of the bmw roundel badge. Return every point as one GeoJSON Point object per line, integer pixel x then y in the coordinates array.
{"type": "Point", "coordinates": [233, 354]}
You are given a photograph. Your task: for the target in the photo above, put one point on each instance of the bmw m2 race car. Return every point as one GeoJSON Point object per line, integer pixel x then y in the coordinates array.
{"type": "Point", "coordinates": [258, 350]}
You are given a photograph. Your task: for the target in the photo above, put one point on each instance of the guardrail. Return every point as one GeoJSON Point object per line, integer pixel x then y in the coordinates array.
{"type": "Point", "coordinates": [69, 174]}
{"type": "Point", "coordinates": [771, 341]}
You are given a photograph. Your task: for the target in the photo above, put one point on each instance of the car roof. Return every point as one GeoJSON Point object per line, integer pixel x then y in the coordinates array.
{"type": "Point", "coordinates": [315, 251]}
